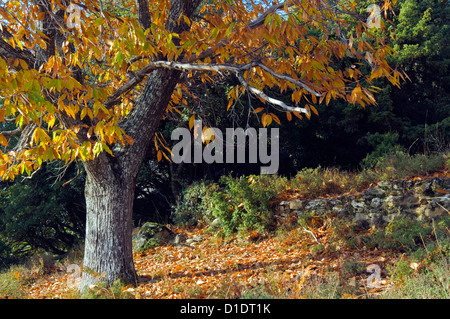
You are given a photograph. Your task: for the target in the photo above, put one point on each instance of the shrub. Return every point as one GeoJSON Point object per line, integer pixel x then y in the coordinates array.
{"type": "Point", "coordinates": [384, 145]}
{"type": "Point", "coordinates": [402, 165]}
{"type": "Point", "coordinates": [37, 215]}
{"type": "Point", "coordinates": [406, 234]}
{"type": "Point", "coordinates": [195, 205]}
{"type": "Point", "coordinates": [239, 203]}
{"type": "Point", "coordinates": [328, 181]}
{"type": "Point", "coordinates": [244, 203]}
{"type": "Point", "coordinates": [10, 284]}
{"type": "Point", "coordinates": [430, 283]}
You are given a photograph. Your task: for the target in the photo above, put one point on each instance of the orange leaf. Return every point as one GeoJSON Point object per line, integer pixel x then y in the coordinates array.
{"type": "Point", "coordinates": [442, 191]}
{"type": "Point", "coordinates": [3, 140]}
{"type": "Point", "coordinates": [297, 114]}
{"type": "Point", "coordinates": [191, 122]}
{"type": "Point", "coordinates": [259, 109]}
{"type": "Point", "coordinates": [275, 118]}
{"type": "Point", "coordinates": [289, 116]}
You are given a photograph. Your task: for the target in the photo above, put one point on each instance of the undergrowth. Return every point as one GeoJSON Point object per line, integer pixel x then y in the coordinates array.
{"type": "Point", "coordinates": [245, 203]}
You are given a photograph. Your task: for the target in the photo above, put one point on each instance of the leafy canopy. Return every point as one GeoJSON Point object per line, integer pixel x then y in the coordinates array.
{"type": "Point", "coordinates": [69, 91]}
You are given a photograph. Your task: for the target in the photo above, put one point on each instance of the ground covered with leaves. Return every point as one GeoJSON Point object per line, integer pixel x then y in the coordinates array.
{"type": "Point", "coordinates": [316, 256]}
{"type": "Point", "coordinates": [288, 264]}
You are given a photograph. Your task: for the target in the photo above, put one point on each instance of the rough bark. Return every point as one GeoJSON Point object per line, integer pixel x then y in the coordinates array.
{"type": "Point", "coordinates": [109, 207]}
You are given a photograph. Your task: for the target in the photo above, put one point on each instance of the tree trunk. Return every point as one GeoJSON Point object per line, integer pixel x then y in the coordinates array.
{"type": "Point", "coordinates": [110, 185]}
{"type": "Point", "coordinates": [111, 181]}
{"type": "Point", "coordinates": [108, 252]}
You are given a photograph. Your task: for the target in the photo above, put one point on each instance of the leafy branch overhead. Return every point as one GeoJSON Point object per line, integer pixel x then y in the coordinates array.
{"type": "Point", "coordinates": [73, 93]}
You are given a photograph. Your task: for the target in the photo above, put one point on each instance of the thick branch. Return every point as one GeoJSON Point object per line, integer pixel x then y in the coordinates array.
{"type": "Point", "coordinates": [267, 98]}
{"type": "Point", "coordinates": [12, 133]}
{"type": "Point", "coordinates": [25, 136]}
{"type": "Point", "coordinates": [186, 67]}
{"type": "Point", "coordinates": [8, 52]}
{"type": "Point", "coordinates": [260, 20]}
{"type": "Point", "coordinates": [143, 13]}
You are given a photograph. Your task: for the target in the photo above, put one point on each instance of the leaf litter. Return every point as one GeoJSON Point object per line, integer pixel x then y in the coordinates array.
{"type": "Point", "coordinates": [281, 266]}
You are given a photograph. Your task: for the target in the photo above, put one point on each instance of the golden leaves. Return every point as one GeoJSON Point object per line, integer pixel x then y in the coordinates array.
{"type": "Point", "coordinates": [218, 268]}
{"type": "Point", "coordinates": [111, 50]}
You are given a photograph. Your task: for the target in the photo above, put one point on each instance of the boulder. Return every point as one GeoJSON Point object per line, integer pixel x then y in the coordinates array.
{"type": "Point", "coordinates": [151, 235]}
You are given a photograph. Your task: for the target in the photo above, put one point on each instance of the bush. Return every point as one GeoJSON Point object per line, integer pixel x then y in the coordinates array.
{"type": "Point", "coordinates": [195, 205]}
{"type": "Point", "coordinates": [241, 204]}
{"type": "Point", "coordinates": [402, 165]}
{"type": "Point", "coordinates": [37, 215]}
{"type": "Point", "coordinates": [244, 203]}
{"type": "Point", "coordinates": [383, 144]}
{"type": "Point", "coordinates": [327, 181]}
{"type": "Point", "coordinates": [407, 234]}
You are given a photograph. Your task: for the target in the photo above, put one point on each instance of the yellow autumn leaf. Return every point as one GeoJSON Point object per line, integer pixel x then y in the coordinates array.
{"type": "Point", "coordinates": [191, 122]}
{"type": "Point", "coordinates": [3, 140]}
{"type": "Point", "coordinates": [289, 116]}
{"type": "Point", "coordinates": [159, 156]}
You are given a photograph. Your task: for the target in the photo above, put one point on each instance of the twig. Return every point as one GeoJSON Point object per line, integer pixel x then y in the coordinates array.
{"type": "Point", "coordinates": [79, 173]}
{"type": "Point", "coordinates": [308, 231]}
{"type": "Point", "coordinates": [32, 174]}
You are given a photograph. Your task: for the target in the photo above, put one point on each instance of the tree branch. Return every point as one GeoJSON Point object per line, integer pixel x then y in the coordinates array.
{"type": "Point", "coordinates": [267, 98]}
{"type": "Point", "coordinates": [289, 79]}
{"type": "Point", "coordinates": [145, 19]}
{"type": "Point", "coordinates": [186, 67]}
{"type": "Point", "coordinates": [260, 20]}
{"type": "Point", "coordinates": [12, 133]}
{"type": "Point", "coordinates": [8, 52]}
{"type": "Point", "coordinates": [25, 136]}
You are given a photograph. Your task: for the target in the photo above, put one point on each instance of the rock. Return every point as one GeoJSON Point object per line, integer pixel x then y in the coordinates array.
{"type": "Point", "coordinates": [425, 188]}
{"type": "Point", "coordinates": [180, 239]}
{"type": "Point", "coordinates": [433, 212]}
{"type": "Point", "coordinates": [195, 239]}
{"type": "Point", "coordinates": [317, 205]}
{"type": "Point", "coordinates": [375, 192]}
{"type": "Point", "coordinates": [296, 204]}
{"type": "Point", "coordinates": [360, 217]}
{"type": "Point", "coordinates": [376, 202]}
{"type": "Point", "coordinates": [151, 235]}
{"type": "Point", "coordinates": [358, 206]}
{"type": "Point", "coordinates": [361, 225]}
{"type": "Point", "coordinates": [392, 201]}
{"type": "Point", "coordinates": [384, 184]}
{"type": "Point", "coordinates": [216, 223]}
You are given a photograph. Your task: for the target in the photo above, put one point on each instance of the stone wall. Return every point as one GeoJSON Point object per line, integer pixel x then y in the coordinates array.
{"type": "Point", "coordinates": [422, 200]}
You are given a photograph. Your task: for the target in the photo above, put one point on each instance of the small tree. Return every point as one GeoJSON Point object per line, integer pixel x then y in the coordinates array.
{"type": "Point", "coordinates": [93, 81]}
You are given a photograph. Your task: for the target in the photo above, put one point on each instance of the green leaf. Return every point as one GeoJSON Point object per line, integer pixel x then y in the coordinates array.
{"type": "Point", "coordinates": [118, 59]}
